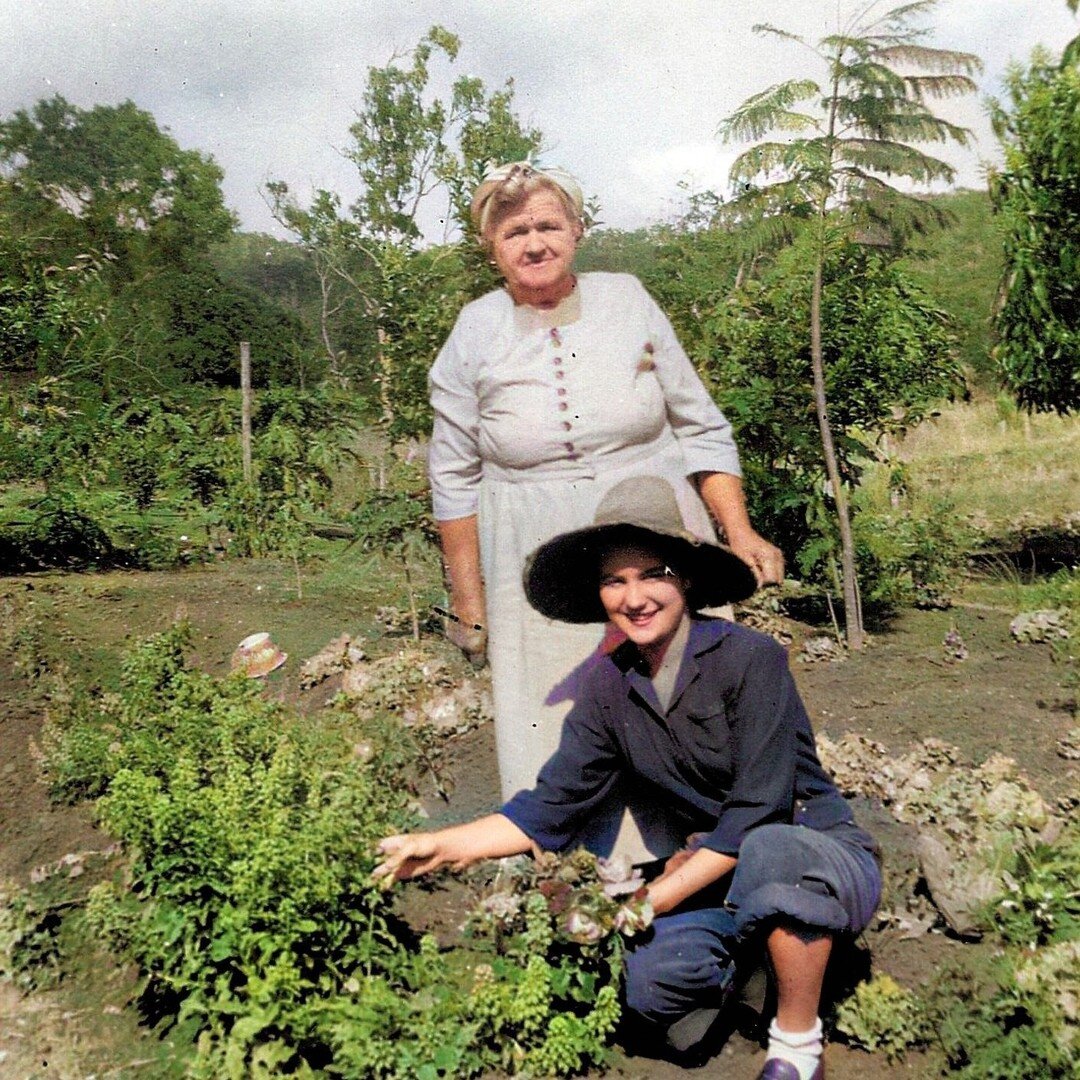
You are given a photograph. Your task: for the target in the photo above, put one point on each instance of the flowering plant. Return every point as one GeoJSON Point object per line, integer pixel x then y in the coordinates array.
{"type": "Point", "coordinates": [586, 899]}
{"type": "Point", "coordinates": [554, 928]}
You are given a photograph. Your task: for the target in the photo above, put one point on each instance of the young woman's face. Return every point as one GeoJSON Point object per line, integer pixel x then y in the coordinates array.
{"type": "Point", "coordinates": [534, 247]}
{"type": "Point", "coordinates": [643, 598]}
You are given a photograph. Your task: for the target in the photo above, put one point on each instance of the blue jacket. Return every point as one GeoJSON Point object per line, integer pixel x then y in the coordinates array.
{"type": "Point", "coordinates": [733, 751]}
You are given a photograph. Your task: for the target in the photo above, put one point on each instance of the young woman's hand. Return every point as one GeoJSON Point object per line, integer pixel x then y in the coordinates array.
{"type": "Point", "coordinates": [412, 855]}
{"type": "Point", "coordinates": [408, 855]}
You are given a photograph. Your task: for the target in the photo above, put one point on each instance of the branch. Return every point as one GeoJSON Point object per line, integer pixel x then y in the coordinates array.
{"type": "Point", "coordinates": [770, 110]}
{"type": "Point", "coordinates": [800, 157]}
{"type": "Point", "coordinates": [893, 159]}
{"type": "Point", "coordinates": [943, 60]}
{"type": "Point", "coordinates": [767, 29]}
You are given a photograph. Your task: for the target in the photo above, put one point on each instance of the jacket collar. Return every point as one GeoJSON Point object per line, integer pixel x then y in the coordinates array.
{"type": "Point", "coordinates": [705, 635]}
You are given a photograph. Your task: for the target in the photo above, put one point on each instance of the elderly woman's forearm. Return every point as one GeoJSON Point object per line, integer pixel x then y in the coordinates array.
{"type": "Point", "coordinates": [723, 494]}
{"type": "Point", "coordinates": [460, 540]}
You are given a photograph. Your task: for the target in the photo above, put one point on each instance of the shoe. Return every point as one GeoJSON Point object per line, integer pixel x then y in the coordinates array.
{"type": "Point", "coordinates": [778, 1069]}
{"type": "Point", "coordinates": [691, 1029]}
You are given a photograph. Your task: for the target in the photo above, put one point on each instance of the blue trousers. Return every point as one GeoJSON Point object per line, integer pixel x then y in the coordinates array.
{"type": "Point", "coordinates": [824, 881]}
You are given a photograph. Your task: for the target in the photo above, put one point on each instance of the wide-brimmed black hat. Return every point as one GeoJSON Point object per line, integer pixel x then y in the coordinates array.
{"type": "Point", "coordinates": [562, 576]}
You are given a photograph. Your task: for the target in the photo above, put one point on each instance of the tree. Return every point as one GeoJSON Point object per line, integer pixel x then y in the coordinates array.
{"type": "Point", "coordinates": [111, 181]}
{"type": "Point", "coordinates": [205, 319]}
{"type": "Point", "coordinates": [107, 189]}
{"type": "Point", "coordinates": [888, 355]}
{"type": "Point", "coordinates": [407, 146]}
{"type": "Point", "coordinates": [45, 310]}
{"type": "Point", "coordinates": [1037, 195]}
{"type": "Point", "coordinates": [844, 142]}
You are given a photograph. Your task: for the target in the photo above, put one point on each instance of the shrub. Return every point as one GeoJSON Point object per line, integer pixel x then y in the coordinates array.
{"type": "Point", "coordinates": [882, 1015]}
{"type": "Point", "coordinates": [61, 535]}
{"type": "Point", "coordinates": [915, 556]}
{"type": "Point", "coordinates": [1042, 904]}
{"type": "Point", "coordinates": [1023, 1022]}
{"type": "Point", "coordinates": [249, 905]}
{"type": "Point", "coordinates": [29, 939]}
{"type": "Point", "coordinates": [1021, 1026]}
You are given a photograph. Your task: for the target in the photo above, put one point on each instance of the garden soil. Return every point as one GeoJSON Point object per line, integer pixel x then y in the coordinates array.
{"type": "Point", "coordinates": [906, 686]}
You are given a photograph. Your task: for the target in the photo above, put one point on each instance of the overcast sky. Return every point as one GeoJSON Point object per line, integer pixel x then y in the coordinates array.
{"type": "Point", "coordinates": [627, 92]}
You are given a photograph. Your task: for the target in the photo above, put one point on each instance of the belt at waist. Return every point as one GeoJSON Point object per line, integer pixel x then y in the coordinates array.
{"type": "Point", "coordinates": [583, 466]}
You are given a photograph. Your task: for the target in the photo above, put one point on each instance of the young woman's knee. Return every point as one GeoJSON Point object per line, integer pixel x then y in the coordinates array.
{"type": "Point", "coordinates": [680, 969]}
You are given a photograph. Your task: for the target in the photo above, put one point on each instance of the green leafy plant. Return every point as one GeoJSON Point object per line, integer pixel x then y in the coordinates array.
{"type": "Point", "coordinates": [1020, 1024]}
{"type": "Point", "coordinates": [548, 998]}
{"type": "Point", "coordinates": [1042, 904]}
{"type": "Point", "coordinates": [914, 556]}
{"type": "Point", "coordinates": [408, 144]}
{"type": "Point", "coordinates": [398, 523]}
{"type": "Point", "coordinates": [889, 358]}
{"type": "Point", "coordinates": [1038, 315]}
{"type": "Point", "coordinates": [248, 904]}
{"type": "Point", "coordinates": [29, 939]}
{"type": "Point", "coordinates": [1021, 1020]}
{"type": "Point", "coordinates": [883, 1015]}
{"type": "Point", "coordinates": [60, 534]}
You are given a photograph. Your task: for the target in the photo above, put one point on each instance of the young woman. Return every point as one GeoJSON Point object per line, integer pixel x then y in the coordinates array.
{"type": "Point", "coordinates": [703, 717]}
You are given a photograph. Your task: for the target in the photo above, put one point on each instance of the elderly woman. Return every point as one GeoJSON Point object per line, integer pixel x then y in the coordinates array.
{"type": "Point", "coordinates": [703, 715]}
{"type": "Point", "coordinates": [547, 393]}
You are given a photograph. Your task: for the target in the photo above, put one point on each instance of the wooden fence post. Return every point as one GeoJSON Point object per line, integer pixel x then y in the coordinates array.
{"type": "Point", "coordinates": [245, 407]}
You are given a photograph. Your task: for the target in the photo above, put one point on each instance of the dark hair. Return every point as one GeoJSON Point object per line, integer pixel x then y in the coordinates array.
{"type": "Point", "coordinates": [672, 554]}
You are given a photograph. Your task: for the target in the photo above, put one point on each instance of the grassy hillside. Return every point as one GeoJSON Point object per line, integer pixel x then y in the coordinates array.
{"type": "Point", "coordinates": [1005, 472]}
{"type": "Point", "coordinates": [960, 267]}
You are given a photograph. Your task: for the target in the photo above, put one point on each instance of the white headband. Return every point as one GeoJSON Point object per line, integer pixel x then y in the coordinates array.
{"type": "Point", "coordinates": [560, 177]}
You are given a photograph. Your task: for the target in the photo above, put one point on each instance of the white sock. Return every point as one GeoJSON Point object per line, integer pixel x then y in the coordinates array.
{"type": "Point", "coordinates": [801, 1048]}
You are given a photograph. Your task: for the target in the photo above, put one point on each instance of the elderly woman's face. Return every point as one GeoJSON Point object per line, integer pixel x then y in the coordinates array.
{"type": "Point", "coordinates": [534, 249]}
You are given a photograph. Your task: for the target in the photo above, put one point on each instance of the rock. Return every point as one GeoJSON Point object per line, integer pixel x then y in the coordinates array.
{"type": "Point", "coordinates": [341, 654]}
{"type": "Point", "coordinates": [959, 888]}
{"type": "Point", "coordinates": [817, 649]}
{"type": "Point", "coordinates": [1068, 745]}
{"type": "Point", "coordinates": [1038, 627]}
{"type": "Point", "coordinates": [954, 647]}
{"type": "Point", "coordinates": [419, 689]}
{"type": "Point", "coordinates": [356, 680]}
{"type": "Point", "coordinates": [459, 708]}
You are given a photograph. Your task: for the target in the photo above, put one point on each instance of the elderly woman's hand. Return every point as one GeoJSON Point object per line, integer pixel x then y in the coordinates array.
{"type": "Point", "coordinates": [723, 495]}
{"type": "Point", "coordinates": [470, 638]}
{"type": "Point", "coordinates": [765, 559]}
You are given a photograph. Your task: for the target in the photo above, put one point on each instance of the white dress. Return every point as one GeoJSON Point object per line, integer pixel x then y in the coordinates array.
{"type": "Point", "coordinates": [537, 415]}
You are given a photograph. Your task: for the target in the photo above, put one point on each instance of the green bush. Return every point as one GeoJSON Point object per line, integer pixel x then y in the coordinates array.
{"type": "Point", "coordinates": [1023, 1021]}
{"type": "Point", "coordinates": [62, 535]}
{"type": "Point", "coordinates": [249, 906]}
{"type": "Point", "coordinates": [1042, 905]}
{"type": "Point", "coordinates": [1023, 1025]}
{"type": "Point", "coordinates": [882, 1015]}
{"type": "Point", "coordinates": [911, 557]}
{"type": "Point", "coordinates": [29, 939]}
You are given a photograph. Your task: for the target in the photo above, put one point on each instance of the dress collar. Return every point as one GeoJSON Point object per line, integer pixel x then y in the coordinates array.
{"type": "Point", "coordinates": [564, 313]}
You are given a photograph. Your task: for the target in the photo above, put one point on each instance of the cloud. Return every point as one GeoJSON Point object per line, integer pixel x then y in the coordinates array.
{"type": "Point", "coordinates": [627, 92]}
